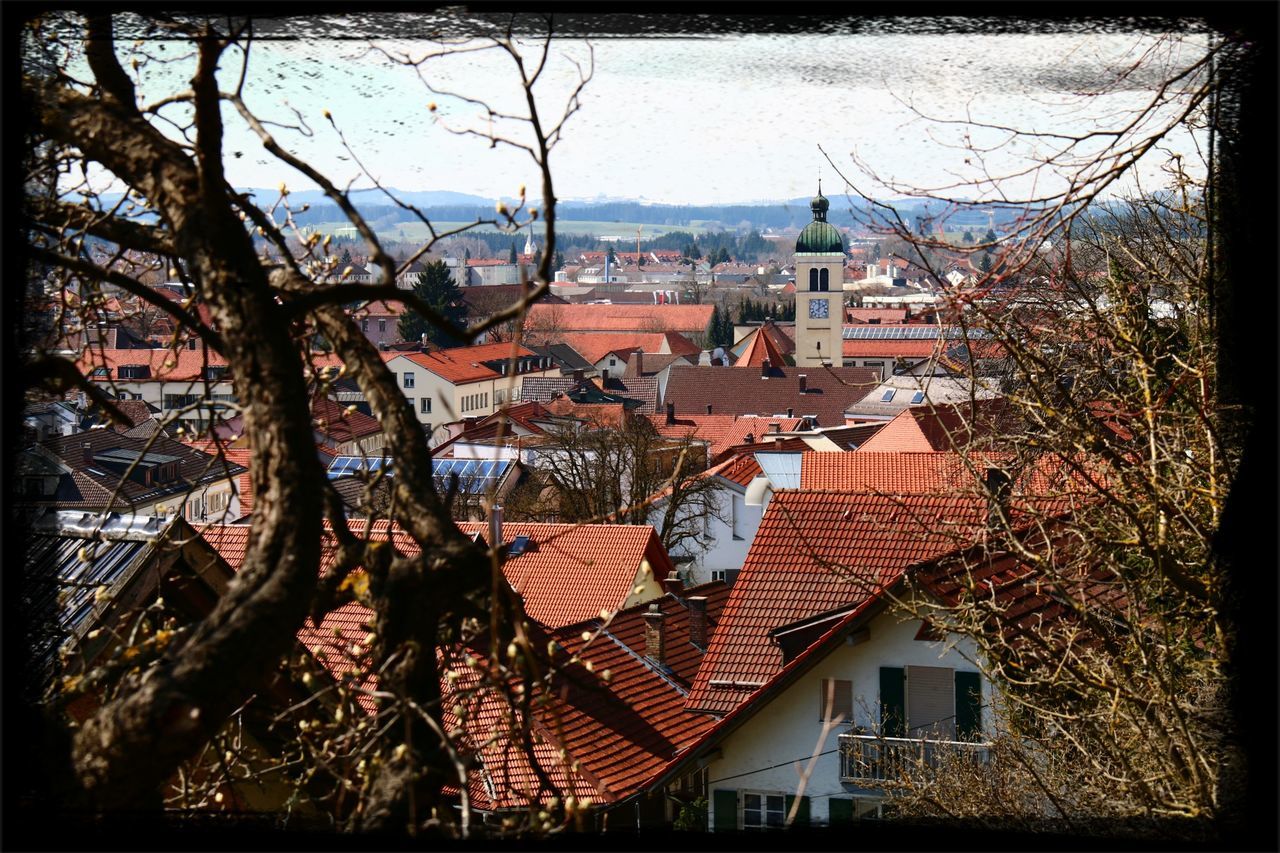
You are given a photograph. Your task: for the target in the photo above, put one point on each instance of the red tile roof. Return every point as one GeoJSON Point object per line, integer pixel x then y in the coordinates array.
{"type": "Point", "coordinates": [941, 427]}
{"type": "Point", "coordinates": [885, 316]}
{"type": "Point", "coordinates": [816, 552]}
{"type": "Point", "coordinates": [887, 473]}
{"type": "Point", "coordinates": [892, 349]}
{"type": "Point", "coordinates": [594, 346]}
{"type": "Point", "coordinates": [576, 570]}
{"type": "Point", "coordinates": [741, 469]}
{"type": "Point", "coordinates": [460, 365]}
{"type": "Point", "coordinates": [687, 319]}
{"type": "Point", "coordinates": [722, 431]}
{"type": "Point", "coordinates": [760, 349]}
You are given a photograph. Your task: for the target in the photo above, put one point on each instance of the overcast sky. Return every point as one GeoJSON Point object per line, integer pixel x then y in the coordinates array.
{"type": "Point", "coordinates": [716, 119]}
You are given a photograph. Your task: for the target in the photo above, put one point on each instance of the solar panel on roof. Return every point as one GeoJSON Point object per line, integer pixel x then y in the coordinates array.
{"type": "Point", "coordinates": [349, 466]}
{"type": "Point", "coordinates": [475, 476]}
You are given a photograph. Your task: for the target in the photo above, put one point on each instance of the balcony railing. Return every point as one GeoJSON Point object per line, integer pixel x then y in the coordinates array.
{"type": "Point", "coordinates": [870, 760]}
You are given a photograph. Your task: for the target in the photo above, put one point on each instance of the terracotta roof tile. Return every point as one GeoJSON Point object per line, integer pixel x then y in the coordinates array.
{"type": "Point", "coordinates": [922, 348]}
{"type": "Point", "coordinates": [688, 319]}
{"type": "Point", "coordinates": [941, 427]}
{"type": "Point", "coordinates": [575, 570]}
{"type": "Point", "coordinates": [743, 392]}
{"type": "Point", "coordinates": [461, 365]}
{"type": "Point", "coordinates": [816, 552]}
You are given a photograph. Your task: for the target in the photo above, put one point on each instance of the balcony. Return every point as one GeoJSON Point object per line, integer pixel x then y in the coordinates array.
{"type": "Point", "coordinates": [869, 760]}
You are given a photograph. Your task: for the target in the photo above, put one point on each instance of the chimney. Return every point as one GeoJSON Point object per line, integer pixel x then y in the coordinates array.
{"type": "Point", "coordinates": [495, 525]}
{"type": "Point", "coordinates": [424, 342]}
{"type": "Point", "coordinates": [577, 376]}
{"type": "Point", "coordinates": [655, 640]}
{"type": "Point", "coordinates": [671, 413]}
{"type": "Point", "coordinates": [998, 483]}
{"type": "Point", "coordinates": [698, 633]}
{"type": "Point", "coordinates": [673, 583]}
{"type": "Point", "coordinates": [791, 413]}
{"type": "Point", "coordinates": [804, 382]}
{"type": "Point", "coordinates": [604, 374]}
{"type": "Point", "coordinates": [708, 408]}
{"type": "Point", "coordinates": [764, 369]}
{"type": "Point", "coordinates": [87, 453]}
{"type": "Point", "coordinates": [638, 358]}
{"type": "Point", "coordinates": [749, 438]}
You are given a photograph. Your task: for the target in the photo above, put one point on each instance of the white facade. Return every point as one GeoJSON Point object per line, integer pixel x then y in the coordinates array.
{"type": "Point", "coordinates": [768, 752]}
{"type": "Point", "coordinates": [728, 539]}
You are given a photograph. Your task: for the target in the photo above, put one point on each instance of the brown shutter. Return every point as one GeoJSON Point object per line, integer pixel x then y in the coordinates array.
{"type": "Point", "coordinates": [931, 702]}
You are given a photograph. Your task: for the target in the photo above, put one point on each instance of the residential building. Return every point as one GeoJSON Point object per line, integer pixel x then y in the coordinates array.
{"type": "Point", "coordinates": [451, 384]}
{"type": "Point", "coordinates": [820, 394]}
{"type": "Point", "coordinates": [104, 471]}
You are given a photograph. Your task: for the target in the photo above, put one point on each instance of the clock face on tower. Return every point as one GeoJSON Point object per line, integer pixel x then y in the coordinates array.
{"type": "Point", "coordinates": [818, 309]}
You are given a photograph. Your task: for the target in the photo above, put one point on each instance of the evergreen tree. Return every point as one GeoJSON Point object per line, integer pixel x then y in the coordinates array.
{"type": "Point", "coordinates": [559, 260]}
{"type": "Point", "coordinates": [985, 263]}
{"type": "Point", "coordinates": [511, 256]}
{"type": "Point", "coordinates": [989, 237]}
{"type": "Point", "coordinates": [968, 236]}
{"type": "Point", "coordinates": [345, 260]}
{"type": "Point", "coordinates": [435, 288]}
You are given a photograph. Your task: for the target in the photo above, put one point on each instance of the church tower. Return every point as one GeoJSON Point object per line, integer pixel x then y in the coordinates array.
{"type": "Point", "coordinates": [819, 290]}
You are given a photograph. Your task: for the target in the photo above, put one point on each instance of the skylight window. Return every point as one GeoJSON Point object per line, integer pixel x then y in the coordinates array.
{"type": "Point", "coordinates": [917, 398]}
{"type": "Point", "coordinates": [888, 395]}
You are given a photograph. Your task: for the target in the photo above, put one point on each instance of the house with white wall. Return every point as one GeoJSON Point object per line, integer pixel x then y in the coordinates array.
{"type": "Point", "coordinates": [814, 657]}
{"type": "Point", "coordinates": [461, 382]}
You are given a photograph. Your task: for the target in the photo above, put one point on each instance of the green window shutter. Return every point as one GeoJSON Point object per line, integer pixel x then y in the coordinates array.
{"type": "Point", "coordinates": [726, 809]}
{"type": "Point", "coordinates": [840, 810]}
{"type": "Point", "coordinates": [893, 705]}
{"type": "Point", "coordinates": [802, 813]}
{"type": "Point", "coordinates": [968, 705]}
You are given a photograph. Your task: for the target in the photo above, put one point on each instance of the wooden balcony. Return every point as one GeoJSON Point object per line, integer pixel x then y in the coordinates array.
{"type": "Point", "coordinates": [869, 760]}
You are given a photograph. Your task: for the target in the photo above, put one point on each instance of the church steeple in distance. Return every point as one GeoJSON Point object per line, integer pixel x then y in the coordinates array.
{"type": "Point", "coordinates": [819, 205]}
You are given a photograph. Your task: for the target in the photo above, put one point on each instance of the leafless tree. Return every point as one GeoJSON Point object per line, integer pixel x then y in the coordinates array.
{"type": "Point", "coordinates": [627, 473]}
{"type": "Point", "coordinates": [1106, 314]}
{"type": "Point", "coordinates": [268, 291]}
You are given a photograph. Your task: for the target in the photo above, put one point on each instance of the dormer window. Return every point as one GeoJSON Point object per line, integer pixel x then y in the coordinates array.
{"type": "Point", "coordinates": [135, 371]}
{"type": "Point", "coordinates": [215, 372]}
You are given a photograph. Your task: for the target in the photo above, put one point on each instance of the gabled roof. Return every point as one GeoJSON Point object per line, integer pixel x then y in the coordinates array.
{"type": "Point", "coordinates": [461, 365]}
{"type": "Point", "coordinates": [940, 427]}
{"type": "Point", "coordinates": [569, 573]}
{"type": "Point", "coordinates": [574, 570]}
{"type": "Point", "coordinates": [593, 346]}
{"type": "Point", "coordinates": [816, 552]}
{"type": "Point", "coordinates": [743, 392]}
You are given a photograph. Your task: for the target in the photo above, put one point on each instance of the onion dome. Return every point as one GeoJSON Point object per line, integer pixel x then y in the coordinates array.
{"type": "Point", "coordinates": [820, 236]}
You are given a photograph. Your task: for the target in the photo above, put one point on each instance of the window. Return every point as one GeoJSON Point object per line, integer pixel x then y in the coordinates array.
{"type": "Point", "coordinates": [813, 279]}
{"type": "Point", "coordinates": [364, 325]}
{"type": "Point", "coordinates": [410, 402]}
{"type": "Point", "coordinates": [408, 379]}
{"type": "Point", "coordinates": [917, 398]}
{"type": "Point", "coordinates": [763, 810]}
{"type": "Point", "coordinates": [382, 325]}
{"type": "Point", "coordinates": [836, 700]}
{"type": "Point", "coordinates": [888, 395]}
{"type": "Point", "coordinates": [426, 406]}
{"type": "Point", "coordinates": [824, 280]}
{"type": "Point", "coordinates": [613, 362]}
{"type": "Point", "coordinates": [717, 574]}
{"type": "Point", "coordinates": [873, 364]}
